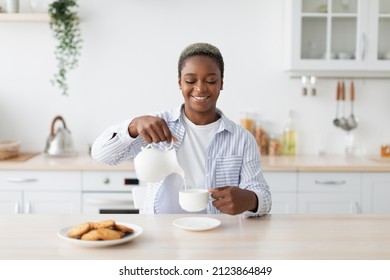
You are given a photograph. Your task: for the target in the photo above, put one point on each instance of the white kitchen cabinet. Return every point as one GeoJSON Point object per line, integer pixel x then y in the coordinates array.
{"type": "Point", "coordinates": [37, 202]}
{"type": "Point", "coordinates": [34, 192]}
{"type": "Point", "coordinates": [376, 193]}
{"type": "Point", "coordinates": [338, 38]}
{"type": "Point", "coordinates": [283, 187]}
{"type": "Point", "coordinates": [329, 193]}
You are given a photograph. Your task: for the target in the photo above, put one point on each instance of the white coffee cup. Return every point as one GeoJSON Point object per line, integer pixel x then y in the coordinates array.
{"type": "Point", "coordinates": [193, 200]}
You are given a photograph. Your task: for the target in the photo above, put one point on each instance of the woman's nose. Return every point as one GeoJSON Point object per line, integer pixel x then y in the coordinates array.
{"type": "Point", "coordinates": [200, 87]}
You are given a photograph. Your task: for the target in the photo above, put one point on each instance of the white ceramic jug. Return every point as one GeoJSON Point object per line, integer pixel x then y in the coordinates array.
{"type": "Point", "coordinates": [152, 165]}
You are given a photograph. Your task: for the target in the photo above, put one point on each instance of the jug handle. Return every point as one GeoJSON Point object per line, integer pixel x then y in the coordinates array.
{"type": "Point", "coordinates": [150, 146]}
{"type": "Point", "coordinates": [57, 118]}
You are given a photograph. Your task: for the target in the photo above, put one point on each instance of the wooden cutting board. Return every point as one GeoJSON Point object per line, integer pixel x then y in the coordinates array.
{"type": "Point", "coordinates": [21, 157]}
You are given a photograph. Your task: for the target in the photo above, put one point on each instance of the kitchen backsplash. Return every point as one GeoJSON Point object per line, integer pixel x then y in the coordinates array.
{"type": "Point", "coordinates": [128, 66]}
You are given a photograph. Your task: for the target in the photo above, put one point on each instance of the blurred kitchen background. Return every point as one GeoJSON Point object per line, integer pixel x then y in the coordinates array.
{"type": "Point", "coordinates": [128, 67]}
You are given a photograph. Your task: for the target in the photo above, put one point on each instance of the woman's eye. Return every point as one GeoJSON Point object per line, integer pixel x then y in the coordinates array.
{"type": "Point", "coordinates": [190, 82]}
{"type": "Point", "coordinates": [211, 82]}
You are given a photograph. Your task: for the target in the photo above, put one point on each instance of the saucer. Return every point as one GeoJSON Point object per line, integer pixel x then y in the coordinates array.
{"type": "Point", "coordinates": [197, 223]}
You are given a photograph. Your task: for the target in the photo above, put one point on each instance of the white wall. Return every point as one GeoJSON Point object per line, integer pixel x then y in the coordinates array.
{"type": "Point", "coordinates": [129, 67]}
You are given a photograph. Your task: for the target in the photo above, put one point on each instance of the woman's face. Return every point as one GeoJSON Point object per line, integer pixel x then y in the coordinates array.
{"type": "Point", "coordinates": [200, 83]}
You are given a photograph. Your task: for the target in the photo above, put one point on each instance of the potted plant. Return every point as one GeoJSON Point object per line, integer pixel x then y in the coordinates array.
{"type": "Point", "coordinates": [66, 29]}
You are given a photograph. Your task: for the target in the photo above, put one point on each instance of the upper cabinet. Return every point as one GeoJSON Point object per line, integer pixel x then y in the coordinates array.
{"type": "Point", "coordinates": [336, 38]}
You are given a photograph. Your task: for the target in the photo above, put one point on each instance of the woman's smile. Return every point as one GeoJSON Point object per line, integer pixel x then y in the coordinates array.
{"type": "Point", "coordinates": [200, 99]}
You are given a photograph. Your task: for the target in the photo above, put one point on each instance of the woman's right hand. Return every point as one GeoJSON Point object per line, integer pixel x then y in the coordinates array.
{"type": "Point", "coordinates": [151, 128]}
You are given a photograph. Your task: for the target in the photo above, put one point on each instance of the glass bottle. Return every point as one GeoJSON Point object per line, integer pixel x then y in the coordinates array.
{"type": "Point", "coordinates": [289, 137]}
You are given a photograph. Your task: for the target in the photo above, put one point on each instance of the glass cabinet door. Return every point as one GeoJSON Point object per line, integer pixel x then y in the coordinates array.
{"type": "Point", "coordinates": [329, 29]}
{"type": "Point", "coordinates": [344, 24]}
{"type": "Point", "coordinates": [384, 30]}
{"type": "Point", "coordinates": [314, 29]}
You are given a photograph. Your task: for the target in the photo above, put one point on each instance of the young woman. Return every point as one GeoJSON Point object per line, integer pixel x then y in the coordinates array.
{"type": "Point", "coordinates": [214, 152]}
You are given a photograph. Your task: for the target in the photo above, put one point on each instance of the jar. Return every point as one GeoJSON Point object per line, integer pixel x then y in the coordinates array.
{"type": "Point", "coordinates": [274, 145]}
{"type": "Point", "coordinates": [385, 150]}
{"type": "Point", "coordinates": [247, 121]}
{"type": "Point", "coordinates": [262, 138]}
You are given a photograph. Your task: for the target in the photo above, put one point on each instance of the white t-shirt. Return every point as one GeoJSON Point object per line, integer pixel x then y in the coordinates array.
{"type": "Point", "coordinates": [192, 158]}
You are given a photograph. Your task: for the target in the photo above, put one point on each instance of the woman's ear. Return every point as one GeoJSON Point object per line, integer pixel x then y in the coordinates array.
{"type": "Point", "coordinates": [179, 83]}
{"type": "Point", "coordinates": [221, 85]}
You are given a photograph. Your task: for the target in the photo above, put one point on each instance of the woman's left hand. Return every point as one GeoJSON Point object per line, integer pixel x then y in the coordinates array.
{"type": "Point", "coordinates": [234, 200]}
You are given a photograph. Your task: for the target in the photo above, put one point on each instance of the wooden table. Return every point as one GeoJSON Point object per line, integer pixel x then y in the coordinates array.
{"type": "Point", "coordinates": [270, 237]}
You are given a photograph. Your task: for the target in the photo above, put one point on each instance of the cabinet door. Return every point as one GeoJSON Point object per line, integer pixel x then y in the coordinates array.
{"type": "Point", "coordinates": [329, 193]}
{"type": "Point", "coordinates": [284, 203]}
{"type": "Point", "coordinates": [329, 203]}
{"type": "Point", "coordinates": [52, 203]}
{"type": "Point", "coordinates": [10, 202]}
{"type": "Point", "coordinates": [283, 187]}
{"type": "Point", "coordinates": [378, 49]}
{"type": "Point", "coordinates": [376, 193]}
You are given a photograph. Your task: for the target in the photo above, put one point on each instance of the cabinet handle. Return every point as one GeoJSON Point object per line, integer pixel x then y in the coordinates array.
{"type": "Point", "coordinates": [16, 208]}
{"type": "Point", "coordinates": [106, 181]}
{"type": "Point", "coordinates": [364, 45]}
{"type": "Point", "coordinates": [105, 201]}
{"type": "Point", "coordinates": [27, 209]}
{"type": "Point", "coordinates": [334, 183]}
{"type": "Point", "coordinates": [22, 180]}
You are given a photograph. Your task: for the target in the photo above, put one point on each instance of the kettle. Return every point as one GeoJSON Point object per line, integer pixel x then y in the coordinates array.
{"type": "Point", "coordinates": [152, 165]}
{"type": "Point", "coordinates": [59, 143]}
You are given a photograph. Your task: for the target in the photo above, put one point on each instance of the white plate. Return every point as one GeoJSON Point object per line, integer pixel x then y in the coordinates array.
{"type": "Point", "coordinates": [102, 243]}
{"type": "Point", "coordinates": [197, 223]}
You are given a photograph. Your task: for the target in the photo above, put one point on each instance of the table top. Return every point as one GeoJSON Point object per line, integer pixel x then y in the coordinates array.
{"type": "Point", "coordinates": [269, 237]}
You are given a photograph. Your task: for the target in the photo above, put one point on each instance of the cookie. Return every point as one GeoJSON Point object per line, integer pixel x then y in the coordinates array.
{"type": "Point", "coordinates": [123, 228]}
{"type": "Point", "coordinates": [79, 230]}
{"type": "Point", "coordinates": [102, 224]}
{"type": "Point", "coordinates": [109, 234]}
{"type": "Point", "coordinates": [92, 235]}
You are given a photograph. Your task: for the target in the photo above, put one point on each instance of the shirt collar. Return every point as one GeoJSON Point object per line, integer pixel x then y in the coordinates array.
{"type": "Point", "coordinates": [226, 124]}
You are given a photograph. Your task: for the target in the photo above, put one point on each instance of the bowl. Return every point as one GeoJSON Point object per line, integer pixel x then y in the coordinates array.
{"type": "Point", "coordinates": [9, 148]}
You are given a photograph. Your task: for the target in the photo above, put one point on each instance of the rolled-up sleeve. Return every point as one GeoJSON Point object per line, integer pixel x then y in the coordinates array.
{"type": "Point", "coordinates": [113, 145]}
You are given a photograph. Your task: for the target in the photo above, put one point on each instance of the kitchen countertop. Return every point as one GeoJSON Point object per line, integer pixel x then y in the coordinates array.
{"type": "Point", "coordinates": [301, 237]}
{"type": "Point", "coordinates": [327, 163]}
{"type": "Point", "coordinates": [84, 162]}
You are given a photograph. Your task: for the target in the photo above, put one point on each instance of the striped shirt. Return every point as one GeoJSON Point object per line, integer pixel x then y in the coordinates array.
{"type": "Point", "coordinates": [233, 159]}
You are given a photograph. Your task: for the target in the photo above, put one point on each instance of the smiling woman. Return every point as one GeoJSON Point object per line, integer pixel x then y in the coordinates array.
{"type": "Point", "coordinates": [215, 153]}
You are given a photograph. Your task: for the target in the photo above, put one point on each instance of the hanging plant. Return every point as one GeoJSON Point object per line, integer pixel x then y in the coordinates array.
{"type": "Point", "coordinates": [65, 26]}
